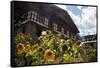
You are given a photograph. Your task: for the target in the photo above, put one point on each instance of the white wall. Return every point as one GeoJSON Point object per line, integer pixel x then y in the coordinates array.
{"type": "Point", "coordinates": [5, 34]}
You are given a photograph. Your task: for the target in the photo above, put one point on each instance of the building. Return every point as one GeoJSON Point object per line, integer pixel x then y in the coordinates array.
{"type": "Point", "coordinates": [89, 37]}
{"type": "Point", "coordinates": [90, 40]}
{"type": "Point", "coordinates": [32, 18]}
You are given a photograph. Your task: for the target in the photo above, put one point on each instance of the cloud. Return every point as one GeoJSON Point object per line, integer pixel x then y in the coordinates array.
{"type": "Point", "coordinates": [89, 19]}
{"type": "Point", "coordinates": [77, 20]}
{"type": "Point", "coordinates": [86, 22]}
{"type": "Point", "coordinates": [79, 7]}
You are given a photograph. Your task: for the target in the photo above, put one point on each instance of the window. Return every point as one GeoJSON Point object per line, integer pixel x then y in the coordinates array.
{"type": "Point", "coordinates": [33, 14]}
{"type": "Point", "coordinates": [46, 21]}
{"type": "Point", "coordinates": [42, 19]}
{"type": "Point", "coordinates": [55, 26]}
{"type": "Point", "coordinates": [68, 33]}
{"type": "Point", "coordinates": [37, 18]}
{"type": "Point", "coordinates": [62, 30]}
{"type": "Point", "coordinates": [29, 15]}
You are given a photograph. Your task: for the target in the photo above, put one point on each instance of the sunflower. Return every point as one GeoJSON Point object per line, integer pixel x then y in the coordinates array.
{"type": "Point", "coordinates": [35, 46]}
{"type": "Point", "coordinates": [66, 57]}
{"type": "Point", "coordinates": [20, 38]}
{"type": "Point", "coordinates": [49, 55]}
{"type": "Point", "coordinates": [40, 49]}
{"type": "Point", "coordinates": [21, 35]}
{"type": "Point", "coordinates": [44, 32]}
{"type": "Point", "coordinates": [27, 47]}
{"type": "Point", "coordinates": [33, 49]}
{"type": "Point", "coordinates": [20, 48]}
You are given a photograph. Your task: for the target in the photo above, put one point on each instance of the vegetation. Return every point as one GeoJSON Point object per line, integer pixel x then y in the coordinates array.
{"type": "Point", "coordinates": [49, 48]}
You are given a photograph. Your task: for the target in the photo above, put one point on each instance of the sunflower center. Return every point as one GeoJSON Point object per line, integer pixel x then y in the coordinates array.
{"type": "Point", "coordinates": [20, 47]}
{"type": "Point", "coordinates": [49, 53]}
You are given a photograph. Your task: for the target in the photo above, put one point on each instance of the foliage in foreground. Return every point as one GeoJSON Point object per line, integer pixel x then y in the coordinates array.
{"type": "Point", "coordinates": [48, 48]}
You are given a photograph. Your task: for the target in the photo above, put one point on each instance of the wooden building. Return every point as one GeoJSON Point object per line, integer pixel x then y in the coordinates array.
{"type": "Point", "coordinates": [89, 37]}
{"type": "Point", "coordinates": [32, 18]}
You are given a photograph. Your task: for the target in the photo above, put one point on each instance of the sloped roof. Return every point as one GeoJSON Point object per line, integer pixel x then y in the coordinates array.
{"type": "Point", "coordinates": [48, 9]}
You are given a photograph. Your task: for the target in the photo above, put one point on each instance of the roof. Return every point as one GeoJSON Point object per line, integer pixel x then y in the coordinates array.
{"type": "Point", "coordinates": [48, 9]}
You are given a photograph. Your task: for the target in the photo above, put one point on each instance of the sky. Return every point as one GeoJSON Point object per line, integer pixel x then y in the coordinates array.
{"type": "Point", "coordinates": [84, 18]}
